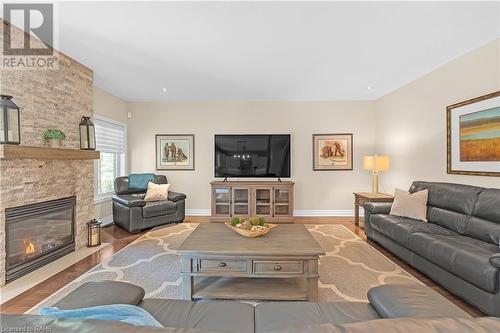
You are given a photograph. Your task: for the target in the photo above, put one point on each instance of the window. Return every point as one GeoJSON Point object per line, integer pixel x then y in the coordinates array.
{"type": "Point", "coordinates": [111, 142]}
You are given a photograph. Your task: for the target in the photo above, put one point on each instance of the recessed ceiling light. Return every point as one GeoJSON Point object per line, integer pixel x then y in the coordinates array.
{"type": "Point", "coordinates": [369, 87]}
{"type": "Point", "coordinates": [164, 89]}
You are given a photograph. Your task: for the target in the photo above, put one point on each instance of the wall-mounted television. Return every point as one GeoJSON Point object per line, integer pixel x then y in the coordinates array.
{"type": "Point", "coordinates": [252, 155]}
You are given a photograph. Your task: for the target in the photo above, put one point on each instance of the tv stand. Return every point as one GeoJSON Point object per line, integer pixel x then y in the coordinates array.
{"type": "Point", "coordinates": [225, 180]}
{"type": "Point", "coordinates": [272, 200]}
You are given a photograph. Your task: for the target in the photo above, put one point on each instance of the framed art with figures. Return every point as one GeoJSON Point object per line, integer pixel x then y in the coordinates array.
{"type": "Point", "coordinates": [174, 151]}
{"type": "Point", "coordinates": [332, 151]}
{"type": "Point", "coordinates": [473, 136]}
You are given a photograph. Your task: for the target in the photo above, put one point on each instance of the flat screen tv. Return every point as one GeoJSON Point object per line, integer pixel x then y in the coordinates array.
{"type": "Point", "coordinates": [254, 155]}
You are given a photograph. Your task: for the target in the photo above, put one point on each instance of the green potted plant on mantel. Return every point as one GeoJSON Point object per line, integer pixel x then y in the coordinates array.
{"type": "Point", "coordinates": [54, 136]}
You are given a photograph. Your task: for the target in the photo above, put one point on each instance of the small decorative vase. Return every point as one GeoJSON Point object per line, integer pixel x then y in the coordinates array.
{"type": "Point", "coordinates": [55, 143]}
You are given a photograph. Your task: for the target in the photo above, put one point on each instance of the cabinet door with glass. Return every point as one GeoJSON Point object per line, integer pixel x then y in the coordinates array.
{"type": "Point", "coordinates": [283, 201]}
{"type": "Point", "coordinates": [221, 201]}
{"type": "Point", "coordinates": [241, 201]}
{"type": "Point", "coordinates": [263, 201]}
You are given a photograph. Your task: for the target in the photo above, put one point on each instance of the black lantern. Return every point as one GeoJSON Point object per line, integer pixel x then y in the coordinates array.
{"type": "Point", "coordinates": [94, 233]}
{"type": "Point", "coordinates": [87, 134]}
{"type": "Point", "coordinates": [10, 123]}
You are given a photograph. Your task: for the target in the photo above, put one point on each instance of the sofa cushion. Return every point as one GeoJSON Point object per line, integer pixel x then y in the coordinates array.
{"type": "Point", "coordinates": [485, 222]}
{"type": "Point", "coordinates": [125, 313]}
{"type": "Point", "coordinates": [455, 197]}
{"type": "Point", "coordinates": [411, 300]}
{"type": "Point", "coordinates": [466, 257]}
{"type": "Point", "coordinates": [274, 315]}
{"type": "Point", "coordinates": [101, 293]}
{"type": "Point", "coordinates": [158, 208]}
{"type": "Point", "coordinates": [225, 316]}
{"type": "Point", "coordinates": [399, 228]}
{"type": "Point", "coordinates": [156, 192]}
{"type": "Point", "coordinates": [130, 200]}
{"type": "Point", "coordinates": [449, 205]}
{"type": "Point", "coordinates": [403, 325]}
{"type": "Point", "coordinates": [411, 205]}
{"type": "Point", "coordinates": [140, 181]}
{"type": "Point", "coordinates": [447, 218]}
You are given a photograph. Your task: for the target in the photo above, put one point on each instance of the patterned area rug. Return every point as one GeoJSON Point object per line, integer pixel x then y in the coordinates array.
{"type": "Point", "coordinates": [349, 268]}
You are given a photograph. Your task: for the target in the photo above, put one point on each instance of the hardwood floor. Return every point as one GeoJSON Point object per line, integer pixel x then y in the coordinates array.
{"type": "Point", "coordinates": [119, 238]}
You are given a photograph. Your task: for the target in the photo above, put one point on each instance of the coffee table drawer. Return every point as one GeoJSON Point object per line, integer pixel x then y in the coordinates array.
{"type": "Point", "coordinates": [278, 267]}
{"type": "Point", "coordinates": [222, 265]}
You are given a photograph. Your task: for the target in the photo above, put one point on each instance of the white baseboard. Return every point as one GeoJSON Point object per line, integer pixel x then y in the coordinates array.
{"type": "Point", "coordinates": [198, 212]}
{"type": "Point", "coordinates": [305, 212]}
{"type": "Point", "coordinates": [106, 220]}
{"type": "Point", "coordinates": [327, 212]}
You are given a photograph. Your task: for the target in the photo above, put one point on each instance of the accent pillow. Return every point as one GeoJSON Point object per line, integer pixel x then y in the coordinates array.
{"type": "Point", "coordinates": [411, 205]}
{"type": "Point", "coordinates": [157, 192]}
{"type": "Point", "coordinates": [126, 313]}
{"type": "Point", "coordinates": [140, 181]}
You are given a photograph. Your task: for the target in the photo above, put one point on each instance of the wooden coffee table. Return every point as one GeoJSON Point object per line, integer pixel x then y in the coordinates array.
{"type": "Point", "coordinates": [219, 263]}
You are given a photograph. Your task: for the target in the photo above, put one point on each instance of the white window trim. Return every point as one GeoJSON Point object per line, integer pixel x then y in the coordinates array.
{"type": "Point", "coordinates": [105, 197]}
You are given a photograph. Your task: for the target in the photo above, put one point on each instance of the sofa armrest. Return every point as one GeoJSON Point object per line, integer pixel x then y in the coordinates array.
{"type": "Point", "coordinates": [495, 260]}
{"type": "Point", "coordinates": [411, 300]}
{"type": "Point", "coordinates": [176, 196]}
{"type": "Point", "coordinates": [130, 200]}
{"type": "Point", "coordinates": [101, 293]}
{"type": "Point", "coordinates": [378, 207]}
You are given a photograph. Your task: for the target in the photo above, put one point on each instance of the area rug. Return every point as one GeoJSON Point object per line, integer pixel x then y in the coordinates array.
{"type": "Point", "coordinates": [350, 267]}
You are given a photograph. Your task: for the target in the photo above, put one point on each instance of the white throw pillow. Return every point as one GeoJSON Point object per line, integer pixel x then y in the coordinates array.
{"type": "Point", "coordinates": [157, 192]}
{"type": "Point", "coordinates": [412, 205]}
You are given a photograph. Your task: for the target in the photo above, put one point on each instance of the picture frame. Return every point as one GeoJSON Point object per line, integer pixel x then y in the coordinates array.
{"type": "Point", "coordinates": [174, 151]}
{"type": "Point", "coordinates": [332, 152]}
{"type": "Point", "coordinates": [473, 128]}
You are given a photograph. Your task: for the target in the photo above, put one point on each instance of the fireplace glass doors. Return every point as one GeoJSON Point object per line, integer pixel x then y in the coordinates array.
{"type": "Point", "coordinates": [37, 234]}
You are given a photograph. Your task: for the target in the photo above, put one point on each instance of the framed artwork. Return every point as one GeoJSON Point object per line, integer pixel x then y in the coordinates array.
{"type": "Point", "coordinates": [174, 151]}
{"type": "Point", "coordinates": [332, 151]}
{"type": "Point", "coordinates": [473, 130]}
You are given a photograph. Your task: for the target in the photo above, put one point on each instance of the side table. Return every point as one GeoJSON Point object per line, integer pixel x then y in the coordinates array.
{"type": "Point", "coordinates": [361, 197]}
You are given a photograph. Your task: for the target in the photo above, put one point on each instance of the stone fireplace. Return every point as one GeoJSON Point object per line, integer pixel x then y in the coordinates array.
{"type": "Point", "coordinates": [37, 234]}
{"type": "Point", "coordinates": [32, 173]}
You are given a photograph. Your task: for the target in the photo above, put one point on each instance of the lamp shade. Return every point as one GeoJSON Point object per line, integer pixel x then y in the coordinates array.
{"type": "Point", "coordinates": [376, 163]}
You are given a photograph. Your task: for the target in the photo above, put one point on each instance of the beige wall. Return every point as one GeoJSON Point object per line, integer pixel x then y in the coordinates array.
{"type": "Point", "coordinates": [109, 106]}
{"type": "Point", "coordinates": [114, 108]}
{"type": "Point", "coordinates": [411, 121]}
{"type": "Point", "coordinates": [315, 190]}
{"type": "Point", "coordinates": [408, 124]}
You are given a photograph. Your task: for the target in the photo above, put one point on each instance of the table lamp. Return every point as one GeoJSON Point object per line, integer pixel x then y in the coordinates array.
{"type": "Point", "coordinates": [376, 164]}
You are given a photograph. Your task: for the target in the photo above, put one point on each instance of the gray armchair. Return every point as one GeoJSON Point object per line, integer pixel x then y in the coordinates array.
{"type": "Point", "coordinates": [132, 213]}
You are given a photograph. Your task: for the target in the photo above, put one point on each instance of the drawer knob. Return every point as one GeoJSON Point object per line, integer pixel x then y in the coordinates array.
{"type": "Point", "coordinates": [222, 264]}
{"type": "Point", "coordinates": [277, 268]}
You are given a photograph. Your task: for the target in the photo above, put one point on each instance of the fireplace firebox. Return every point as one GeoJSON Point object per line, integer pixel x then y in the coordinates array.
{"type": "Point", "coordinates": [37, 234]}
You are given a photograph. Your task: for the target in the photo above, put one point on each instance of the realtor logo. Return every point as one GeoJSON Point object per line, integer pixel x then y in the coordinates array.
{"type": "Point", "coordinates": [36, 19]}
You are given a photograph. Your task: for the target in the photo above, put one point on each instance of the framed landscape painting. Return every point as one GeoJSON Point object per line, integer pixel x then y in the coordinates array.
{"type": "Point", "coordinates": [332, 152]}
{"type": "Point", "coordinates": [174, 151]}
{"type": "Point", "coordinates": [474, 136]}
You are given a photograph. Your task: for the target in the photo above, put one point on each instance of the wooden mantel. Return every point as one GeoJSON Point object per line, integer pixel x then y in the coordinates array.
{"type": "Point", "coordinates": [46, 153]}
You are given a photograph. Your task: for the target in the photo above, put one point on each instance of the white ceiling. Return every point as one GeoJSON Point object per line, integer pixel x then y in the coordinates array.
{"type": "Point", "coordinates": [268, 50]}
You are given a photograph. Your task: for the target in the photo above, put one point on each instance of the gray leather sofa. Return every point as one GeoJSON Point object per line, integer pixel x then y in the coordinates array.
{"type": "Point", "coordinates": [397, 308]}
{"type": "Point", "coordinates": [132, 213]}
{"type": "Point", "coordinates": [458, 247]}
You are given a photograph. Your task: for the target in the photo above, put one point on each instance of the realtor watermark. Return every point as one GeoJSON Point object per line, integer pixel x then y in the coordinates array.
{"type": "Point", "coordinates": [28, 36]}
{"type": "Point", "coordinates": [26, 329]}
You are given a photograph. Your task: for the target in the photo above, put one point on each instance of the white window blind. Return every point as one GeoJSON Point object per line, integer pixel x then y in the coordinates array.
{"type": "Point", "coordinates": [110, 136]}
{"type": "Point", "coordinates": [111, 142]}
